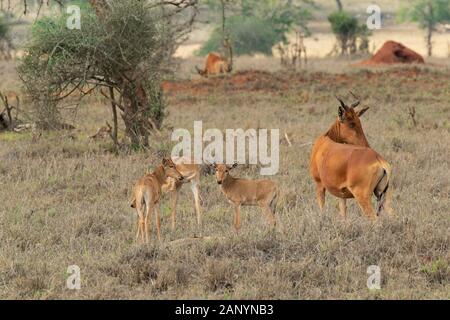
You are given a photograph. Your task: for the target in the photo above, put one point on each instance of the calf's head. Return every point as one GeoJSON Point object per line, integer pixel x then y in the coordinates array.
{"type": "Point", "coordinates": [170, 170]}
{"type": "Point", "coordinates": [222, 171]}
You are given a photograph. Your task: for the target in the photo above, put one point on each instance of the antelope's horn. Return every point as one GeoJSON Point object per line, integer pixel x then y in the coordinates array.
{"type": "Point", "coordinates": [342, 103]}
{"type": "Point", "coordinates": [354, 105]}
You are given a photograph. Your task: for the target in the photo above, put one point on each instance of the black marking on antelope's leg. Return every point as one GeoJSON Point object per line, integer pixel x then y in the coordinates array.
{"type": "Point", "coordinates": [381, 199]}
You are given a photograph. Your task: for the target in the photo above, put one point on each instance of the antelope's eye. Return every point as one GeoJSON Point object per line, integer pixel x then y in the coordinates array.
{"type": "Point", "coordinates": [351, 125]}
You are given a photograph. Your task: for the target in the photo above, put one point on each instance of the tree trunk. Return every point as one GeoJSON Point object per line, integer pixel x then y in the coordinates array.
{"type": "Point", "coordinates": [343, 42]}
{"type": "Point", "coordinates": [429, 37]}
{"type": "Point", "coordinates": [339, 5]}
{"type": "Point", "coordinates": [114, 112]}
{"type": "Point", "coordinates": [135, 114]}
{"type": "Point", "coordinates": [430, 28]}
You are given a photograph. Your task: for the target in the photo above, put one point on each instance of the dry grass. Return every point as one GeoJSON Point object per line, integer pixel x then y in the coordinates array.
{"type": "Point", "coordinates": [65, 200]}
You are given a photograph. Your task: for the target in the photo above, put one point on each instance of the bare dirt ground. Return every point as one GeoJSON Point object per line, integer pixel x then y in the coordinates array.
{"type": "Point", "coordinates": [65, 199]}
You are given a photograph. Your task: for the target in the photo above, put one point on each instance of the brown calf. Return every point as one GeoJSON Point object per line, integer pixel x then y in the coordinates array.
{"type": "Point", "coordinates": [147, 194]}
{"type": "Point", "coordinates": [262, 193]}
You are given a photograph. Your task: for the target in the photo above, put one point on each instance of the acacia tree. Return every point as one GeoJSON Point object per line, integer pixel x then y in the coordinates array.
{"type": "Point", "coordinates": [255, 26]}
{"type": "Point", "coordinates": [124, 47]}
{"type": "Point", "coordinates": [428, 13]}
{"type": "Point", "coordinates": [349, 31]}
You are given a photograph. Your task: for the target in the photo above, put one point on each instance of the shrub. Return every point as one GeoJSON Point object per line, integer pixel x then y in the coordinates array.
{"type": "Point", "coordinates": [5, 40]}
{"type": "Point", "coordinates": [348, 31]}
{"type": "Point", "coordinates": [257, 25]}
{"type": "Point", "coordinates": [124, 45]}
{"type": "Point", "coordinates": [249, 35]}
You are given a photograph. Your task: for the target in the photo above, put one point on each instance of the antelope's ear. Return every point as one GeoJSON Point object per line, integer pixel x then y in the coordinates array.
{"type": "Point", "coordinates": [362, 111]}
{"type": "Point", "coordinates": [341, 114]}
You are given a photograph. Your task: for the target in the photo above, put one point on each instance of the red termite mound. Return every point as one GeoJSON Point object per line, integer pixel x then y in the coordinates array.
{"type": "Point", "coordinates": [394, 52]}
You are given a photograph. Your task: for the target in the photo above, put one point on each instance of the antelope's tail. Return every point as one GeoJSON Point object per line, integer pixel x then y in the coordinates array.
{"type": "Point", "coordinates": [382, 189]}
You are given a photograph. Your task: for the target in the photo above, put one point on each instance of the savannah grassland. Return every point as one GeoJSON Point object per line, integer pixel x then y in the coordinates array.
{"type": "Point", "coordinates": [64, 199]}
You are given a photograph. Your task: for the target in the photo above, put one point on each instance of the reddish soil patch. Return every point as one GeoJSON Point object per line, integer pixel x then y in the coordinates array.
{"type": "Point", "coordinates": [394, 52]}
{"type": "Point", "coordinates": [281, 82]}
{"type": "Point", "coordinates": [252, 80]}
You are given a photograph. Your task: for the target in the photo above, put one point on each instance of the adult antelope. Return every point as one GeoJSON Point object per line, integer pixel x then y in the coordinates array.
{"type": "Point", "coordinates": [343, 164]}
{"type": "Point", "coordinates": [216, 64]}
{"type": "Point", "coordinates": [262, 193]}
{"type": "Point", "coordinates": [147, 194]}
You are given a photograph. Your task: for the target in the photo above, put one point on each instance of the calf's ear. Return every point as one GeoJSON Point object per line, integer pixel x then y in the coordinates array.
{"type": "Point", "coordinates": [167, 162]}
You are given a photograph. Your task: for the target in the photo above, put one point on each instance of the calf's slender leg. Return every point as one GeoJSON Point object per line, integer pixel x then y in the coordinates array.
{"type": "Point", "coordinates": [198, 210]}
{"type": "Point", "coordinates": [148, 222]}
{"type": "Point", "coordinates": [174, 201]}
{"type": "Point", "coordinates": [343, 207]}
{"type": "Point", "coordinates": [158, 220]}
{"type": "Point", "coordinates": [270, 216]}
{"type": "Point", "coordinates": [237, 217]}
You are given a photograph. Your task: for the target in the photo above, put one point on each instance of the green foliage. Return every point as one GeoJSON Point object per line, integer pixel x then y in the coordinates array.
{"type": "Point", "coordinates": [343, 24]}
{"type": "Point", "coordinates": [249, 36]}
{"type": "Point", "coordinates": [127, 49]}
{"type": "Point", "coordinates": [428, 13]}
{"type": "Point", "coordinates": [3, 28]}
{"type": "Point", "coordinates": [257, 25]}
{"type": "Point", "coordinates": [348, 31]}
{"type": "Point", "coordinates": [437, 271]}
{"type": "Point", "coordinates": [419, 11]}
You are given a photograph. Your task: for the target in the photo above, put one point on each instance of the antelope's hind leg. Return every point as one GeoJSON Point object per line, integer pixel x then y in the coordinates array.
{"type": "Point", "coordinates": [343, 208]}
{"type": "Point", "coordinates": [364, 200]}
{"type": "Point", "coordinates": [148, 222]}
{"type": "Point", "coordinates": [141, 221]}
{"type": "Point", "coordinates": [157, 208]}
{"type": "Point", "coordinates": [320, 193]}
{"type": "Point", "coordinates": [270, 215]}
{"type": "Point", "coordinates": [385, 205]}
{"type": "Point", "coordinates": [198, 210]}
{"type": "Point", "coordinates": [174, 197]}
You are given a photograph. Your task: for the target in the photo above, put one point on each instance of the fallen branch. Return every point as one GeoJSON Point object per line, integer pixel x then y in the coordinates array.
{"type": "Point", "coordinates": [22, 127]}
{"type": "Point", "coordinates": [287, 139]}
{"type": "Point", "coordinates": [305, 144]}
